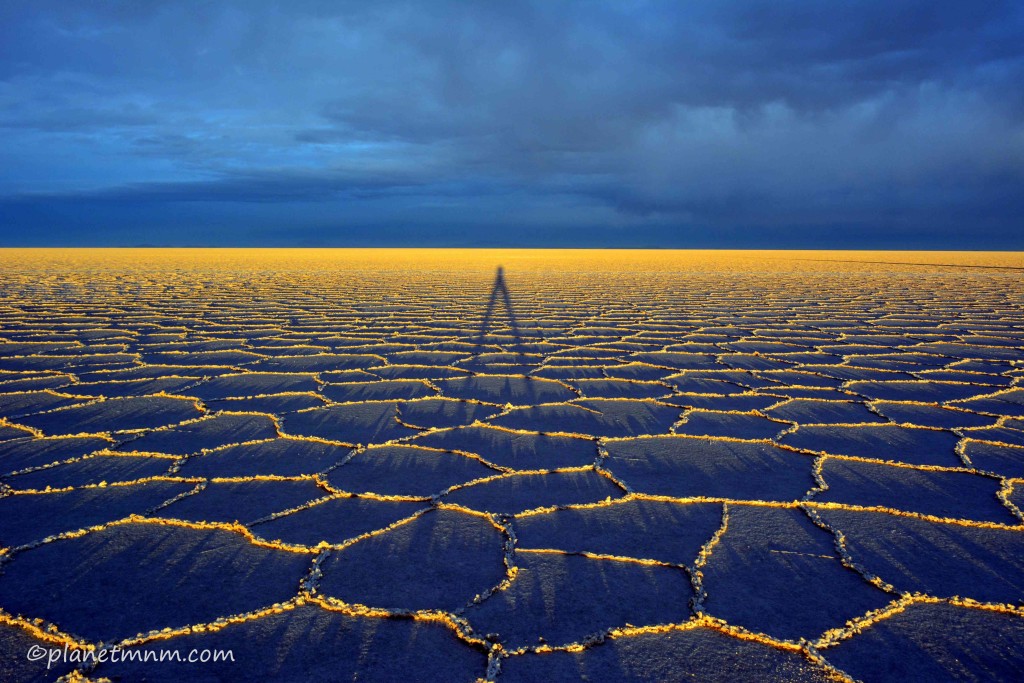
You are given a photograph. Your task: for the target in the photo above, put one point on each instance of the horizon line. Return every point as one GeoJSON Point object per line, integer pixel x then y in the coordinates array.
{"type": "Point", "coordinates": [1007, 250]}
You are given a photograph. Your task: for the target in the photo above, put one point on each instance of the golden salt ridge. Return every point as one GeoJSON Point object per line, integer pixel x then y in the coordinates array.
{"type": "Point", "coordinates": [676, 368]}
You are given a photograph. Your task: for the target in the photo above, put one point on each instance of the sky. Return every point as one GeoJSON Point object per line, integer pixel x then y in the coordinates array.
{"type": "Point", "coordinates": [702, 124]}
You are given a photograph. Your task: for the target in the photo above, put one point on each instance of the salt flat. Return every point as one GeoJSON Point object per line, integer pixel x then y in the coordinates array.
{"type": "Point", "coordinates": [675, 466]}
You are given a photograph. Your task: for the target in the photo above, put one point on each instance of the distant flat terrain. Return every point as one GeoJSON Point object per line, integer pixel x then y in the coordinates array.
{"type": "Point", "coordinates": [668, 466]}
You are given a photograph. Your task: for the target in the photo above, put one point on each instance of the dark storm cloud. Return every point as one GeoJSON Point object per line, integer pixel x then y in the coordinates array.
{"type": "Point", "coordinates": [625, 123]}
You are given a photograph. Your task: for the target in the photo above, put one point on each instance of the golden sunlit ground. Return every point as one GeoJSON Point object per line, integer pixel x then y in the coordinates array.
{"type": "Point", "coordinates": [701, 465]}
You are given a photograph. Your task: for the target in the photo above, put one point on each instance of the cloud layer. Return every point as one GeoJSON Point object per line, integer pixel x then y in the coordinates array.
{"type": "Point", "coordinates": [789, 124]}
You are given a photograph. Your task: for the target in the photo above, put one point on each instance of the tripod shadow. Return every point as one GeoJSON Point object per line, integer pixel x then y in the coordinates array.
{"type": "Point", "coordinates": [517, 389]}
{"type": "Point", "coordinates": [500, 291]}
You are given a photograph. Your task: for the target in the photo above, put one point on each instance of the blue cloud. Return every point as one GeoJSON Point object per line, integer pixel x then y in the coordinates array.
{"type": "Point", "coordinates": [746, 123]}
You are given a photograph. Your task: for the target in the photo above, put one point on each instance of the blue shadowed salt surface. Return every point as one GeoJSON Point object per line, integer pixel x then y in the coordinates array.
{"type": "Point", "coordinates": [671, 468]}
